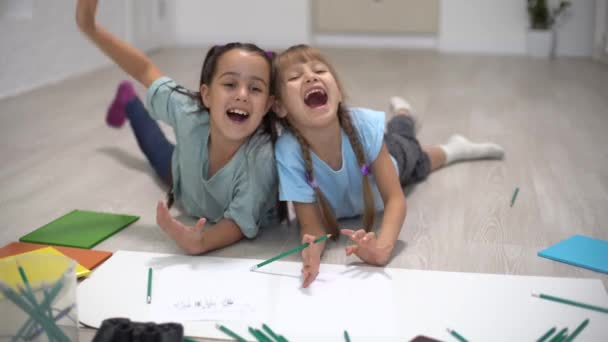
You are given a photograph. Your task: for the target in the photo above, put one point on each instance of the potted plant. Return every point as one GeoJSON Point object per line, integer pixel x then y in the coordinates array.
{"type": "Point", "coordinates": [541, 40]}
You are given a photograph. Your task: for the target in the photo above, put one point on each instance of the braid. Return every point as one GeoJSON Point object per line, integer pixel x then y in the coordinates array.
{"type": "Point", "coordinates": [353, 137]}
{"type": "Point", "coordinates": [326, 210]}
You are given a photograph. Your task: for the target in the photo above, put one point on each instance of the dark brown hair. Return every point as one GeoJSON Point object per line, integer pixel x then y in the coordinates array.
{"type": "Point", "coordinates": [208, 70]}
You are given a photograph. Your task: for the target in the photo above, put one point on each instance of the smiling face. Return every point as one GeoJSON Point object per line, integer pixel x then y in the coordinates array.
{"type": "Point", "coordinates": [308, 92]}
{"type": "Point", "coordinates": [238, 96]}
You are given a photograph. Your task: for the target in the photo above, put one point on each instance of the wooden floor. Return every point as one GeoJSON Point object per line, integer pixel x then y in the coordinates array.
{"type": "Point", "coordinates": [550, 116]}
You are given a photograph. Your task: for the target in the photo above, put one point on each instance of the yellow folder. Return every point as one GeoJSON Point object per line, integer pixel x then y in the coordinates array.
{"type": "Point", "coordinates": [81, 271]}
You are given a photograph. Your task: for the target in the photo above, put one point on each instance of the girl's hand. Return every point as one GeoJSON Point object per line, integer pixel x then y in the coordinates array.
{"type": "Point", "coordinates": [188, 238]}
{"type": "Point", "coordinates": [85, 15]}
{"type": "Point", "coordinates": [367, 247]}
{"type": "Point", "coordinates": [311, 259]}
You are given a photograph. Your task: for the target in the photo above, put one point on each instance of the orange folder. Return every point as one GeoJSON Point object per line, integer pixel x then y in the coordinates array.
{"type": "Point", "coordinates": [86, 257]}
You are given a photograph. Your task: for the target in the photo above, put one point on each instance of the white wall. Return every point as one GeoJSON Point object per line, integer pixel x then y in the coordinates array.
{"type": "Point", "coordinates": [269, 23]}
{"type": "Point", "coordinates": [499, 27]}
{"type": "Point", "coordinates": [575, 35]}
{"type": "Point", "coordinates": [483, 26]}
{"type": "Point", "coordinates": [600, 37]}
{"type": "Point", "coordinates": [151, 24]}
{"type": "Point", "coordinates": [42, 44]}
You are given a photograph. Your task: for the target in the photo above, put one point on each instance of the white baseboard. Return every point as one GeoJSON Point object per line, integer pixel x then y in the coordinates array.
{"type": "Point", "coordinates": [419, 41]}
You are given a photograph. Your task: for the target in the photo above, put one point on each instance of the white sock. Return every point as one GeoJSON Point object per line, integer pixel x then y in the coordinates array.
{"type": "Point", "coordinates": [398, 104]}
{"type": "Point", "coordinates": [460, 148]}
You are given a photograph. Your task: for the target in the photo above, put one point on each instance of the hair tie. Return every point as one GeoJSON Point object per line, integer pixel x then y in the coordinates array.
{"type": "Point", "coordinates": [365, 170]}
{"type": "Point", "coordinates": [313, 183]}
{"type": "Point", "coordinates": [270, 54]}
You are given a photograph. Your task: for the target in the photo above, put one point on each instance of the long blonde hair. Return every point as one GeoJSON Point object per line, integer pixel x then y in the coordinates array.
{"type": "Point", "coordinates": [302, 54]}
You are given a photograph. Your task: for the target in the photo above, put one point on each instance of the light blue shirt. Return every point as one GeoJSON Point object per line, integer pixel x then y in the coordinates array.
{"type": "Point", "coordinates": [343, 188]}
{"type": "Point", "coordinates": [244, 190]}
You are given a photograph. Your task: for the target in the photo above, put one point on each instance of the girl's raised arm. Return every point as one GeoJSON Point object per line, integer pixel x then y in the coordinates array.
{"type": "Point", "coordinates": [131, 60]}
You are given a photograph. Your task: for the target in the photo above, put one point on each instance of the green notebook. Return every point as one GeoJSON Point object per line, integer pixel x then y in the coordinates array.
{"type": "Point", "coordinates": [79, 228]}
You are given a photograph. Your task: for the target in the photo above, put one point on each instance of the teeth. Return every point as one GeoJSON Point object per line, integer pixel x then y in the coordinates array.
{"type": "Point", "coordinates": [238, 111]}
{"type": "Point", "coordinates": [313, 91]}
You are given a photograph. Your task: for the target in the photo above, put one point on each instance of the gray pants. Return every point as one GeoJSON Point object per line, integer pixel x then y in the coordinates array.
{"type": "Point", "coordinates": [400, 138]}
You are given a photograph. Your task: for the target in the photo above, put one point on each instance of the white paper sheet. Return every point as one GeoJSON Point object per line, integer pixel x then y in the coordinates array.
{"type": "Point", "coordinates": [182, 295]}
{"type": "Point", "coordinates": [373, 304]}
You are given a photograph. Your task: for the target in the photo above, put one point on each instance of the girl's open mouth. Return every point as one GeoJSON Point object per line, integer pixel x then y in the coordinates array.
{"type": "Point", "coordinates": [315, 98]}
{"type": "Point", "coordinates": [237, 115]}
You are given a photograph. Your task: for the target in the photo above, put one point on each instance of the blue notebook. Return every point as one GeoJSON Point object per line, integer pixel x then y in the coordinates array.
{"type": "Point", "coordinates": [581, 251]}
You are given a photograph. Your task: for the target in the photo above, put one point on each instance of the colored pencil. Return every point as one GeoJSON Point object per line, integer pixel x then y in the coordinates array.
{"type": "Point", "coordinates": [230, 333]}
{"type": "Point", "coordinates": [289, 252]}
{"type": "Point", "coordinates": [270, 332]}
{"type": "Point", "coordinates": [514, 196]}
{"type": "Point", "coordinates": [346, 336]}
{"type": "Point", "coordinates": [149, 297]}
{"type": "Point", "coordinates": [457, 335]}
{"type": "Point", "coordinates": [34, 311]}
{"type": "Point", "coordinates": [559, 336]}
{"type": "Point", "coordinates": [577, 330]}
{"type": "Point", "coordinates": [546, 335]}
{"type": "Point", "coordinates": [571, 302]}
{"type": "Point", "coordinates": [259, 335]}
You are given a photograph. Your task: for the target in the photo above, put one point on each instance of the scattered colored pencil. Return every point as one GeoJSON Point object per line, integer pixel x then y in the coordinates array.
{"type": "Point", "coordinates": [149, 297]}
{"type": "Point", "coordinates": [514, 196]}
{"type": "Point", "coordinates": [230, 333]}
{"type": "Point", "coordinates": [457, 335]}
{"type": "Point", "coordinates": [289, 252]}
{"type": "Point", "coordinates": [560, 335]}
{"type": "Point", "coordinates": [259, 335]}
{"type": "Point", "coordinates": [571, 302]}
{"type": "Point", "coordinates": [577, 330]}
{"type": "Point", "coordinates": [546, 335]}
{"type": "Point", "coordinates": [270, 332]}
{"type": "Point", "coordinates": [346, 336]}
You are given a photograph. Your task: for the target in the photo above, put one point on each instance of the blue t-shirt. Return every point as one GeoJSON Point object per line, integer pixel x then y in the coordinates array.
{"type": "Point", "coordinates": [343, 188]}
{"type": "Point", "coordinates": [244, 190]}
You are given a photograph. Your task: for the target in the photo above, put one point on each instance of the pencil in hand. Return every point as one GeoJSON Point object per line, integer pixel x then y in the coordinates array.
{"type": "Point", "coordinates": [289, 252]}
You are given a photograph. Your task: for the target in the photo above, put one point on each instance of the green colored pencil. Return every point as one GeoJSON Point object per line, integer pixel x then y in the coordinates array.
{"type": "Point", "coordinates": [571, 302]}
{"type": "Point", "coordinates": [514, 196]}
{"type": "Point", "coordinates": [457, 335]}
{"type": "Point", "coordinates": [259, 335]}
{"type": "Point", "coordinates": [34, 311]}
{"type": "Point", "coordinates": [270, 332]}
{"type": "Point", "coordinates": [230, 333]}
{"type": "Point", "coordinates": [289, 252]}
{"type": "Point", "coordinates": [546, 335]}
{"type": "Point", "coordinates": [577, 330]}
{"type": "Point", "coordinates": [46, 303]}
{"type": "Point", "coordinates": [149, 297]}
{"type": "Point", "coordinates": [346, 337]}
{"type": "Point", "coordinates": [559, 335]}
